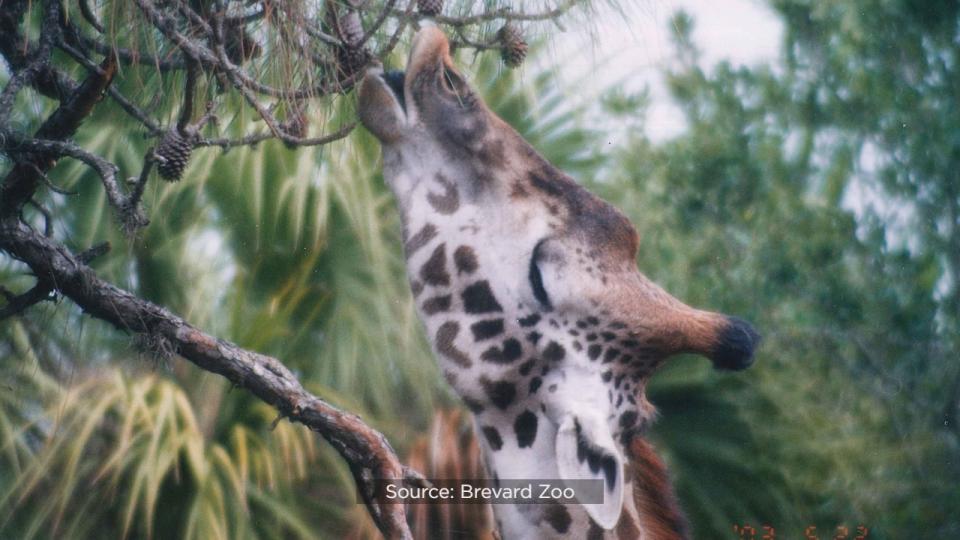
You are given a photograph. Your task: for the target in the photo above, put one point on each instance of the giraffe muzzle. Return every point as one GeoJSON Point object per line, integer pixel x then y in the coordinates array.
{"type": "Point", "coordinates": [736, 342]}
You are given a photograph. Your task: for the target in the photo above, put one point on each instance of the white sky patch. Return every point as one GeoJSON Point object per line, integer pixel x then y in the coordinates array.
{"type": "Point", "coordinates": [634, 50]}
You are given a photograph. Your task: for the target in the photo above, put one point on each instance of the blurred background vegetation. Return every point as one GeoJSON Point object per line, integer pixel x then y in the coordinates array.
{"type": "Point", "coordinates": [772, 204]}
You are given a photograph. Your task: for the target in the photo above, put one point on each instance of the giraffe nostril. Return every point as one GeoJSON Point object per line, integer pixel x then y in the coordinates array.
{"type": "Point", "coordinates": [736, 343]}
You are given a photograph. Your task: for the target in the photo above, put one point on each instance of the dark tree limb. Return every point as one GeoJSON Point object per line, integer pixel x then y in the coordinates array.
{"type": "Point", "coordinates": [16, 304]}
{"type": "Point", "coordinates": [153, 128]}
{"type": "Point", "coordinates": [189, 89]}
{"type": "Point", "coordinates": [139, 184]}
{"type": "Point", "coordinates": [43, 290]}
{"type": "Point", "coordinates": [267, 378]}
{"type": "Point", "coordinates": [39, 57]}
{"type": "Point", "coordinates": [22, 180]}
{"type": "Point", "coordinates": [17, 51]}
{"type": "Point", "coordinates": [47, 218]}
{"type": "Point", "coordinates": [130, 216]}
{"type": "Point", "coordinates": [90, 16]}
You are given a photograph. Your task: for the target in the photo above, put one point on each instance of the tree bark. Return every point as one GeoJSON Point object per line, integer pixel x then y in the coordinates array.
{"type": "Point", "coordinates": [264, 376]}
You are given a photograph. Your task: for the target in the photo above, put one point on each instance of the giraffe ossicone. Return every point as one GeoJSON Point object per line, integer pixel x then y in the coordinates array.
{"type": "Point", "coordinates": [529, 291]}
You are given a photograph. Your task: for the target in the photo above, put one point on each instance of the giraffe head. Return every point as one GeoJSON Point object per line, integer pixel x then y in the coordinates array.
{"type": "Point", "coordinates": [528, 287]}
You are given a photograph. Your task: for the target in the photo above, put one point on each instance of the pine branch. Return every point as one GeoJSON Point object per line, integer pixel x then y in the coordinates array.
{"type": "Point", "coordinates": [21, 182]}
{"type": "Point", "coordinates": [256, 138]}
{"type": "Point", "coordinates": [267, 378]}
{"type": "Point", "coordinates": [17, 51]}
{"type": "Point", "coordinates": [43, 289]}
{"type": "Point", "coordinates": [17, 304]}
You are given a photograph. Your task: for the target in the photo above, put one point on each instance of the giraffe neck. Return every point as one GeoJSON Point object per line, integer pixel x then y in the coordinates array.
{"type": "Point", "coordinates": [660, 517]}
{"type": "Point", "coordinates": [501, 352]}
{"type": "Point", "coordinates": [528, 288]}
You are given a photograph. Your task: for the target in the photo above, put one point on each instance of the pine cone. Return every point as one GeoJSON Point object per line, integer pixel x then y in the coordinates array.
{"type": "Point", "coordinates": [351, 29]}
{"type": "Point", "coordinates": [296, 124]}
{"type": "Point", "coordinates": [174, 152]}
{"type": "Point", "coordinates": [351, 61]}
{"type": "Point", "coordinates": [430, 7]}
{"type": "Point", "coordinates": [513, 49]}
{"type": "Point", "coordinates": [351, 56]}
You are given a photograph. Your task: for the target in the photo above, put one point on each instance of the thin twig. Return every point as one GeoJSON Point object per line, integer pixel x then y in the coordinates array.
{"type": "Point", "coordinates": [236, 80]}
{"type": "Point", "coordinates": [47, 218]}
{"type": "Point", "coordinates": [40, 58]}
{"type": "Point", "coordinates": [405, 18]}
{"type": "Point", "coordinates": [152, 126]}
{"type": "Point", "coordinates": [130, 56]}
{"type": "Point", "coordinates": [90, 16]}
{"type": "Point", "coordinates": [195, 18]}
{"type": "Point", "coordinates": [504, 13]}
{"type": "Point", "coordinates": [256, 138]}
{"type": "Point", "coordinates": [129, 216]}
{"type": "Point", "coordinates": [381, 18]}
{"type": "Point", "coordinates": [211, 59]}
{"type": "Point", "coordinates": [189, 88]}
{"type": "Point", "coordinates": [49, 183]}
{"type": "Point", "coordinates": [140, 183]}
{"type": "Point", "coordinates": [465, 43]}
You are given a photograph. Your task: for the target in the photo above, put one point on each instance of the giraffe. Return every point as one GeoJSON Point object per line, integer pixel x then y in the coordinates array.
{"type": "Point", "coordinates": [528, 288]}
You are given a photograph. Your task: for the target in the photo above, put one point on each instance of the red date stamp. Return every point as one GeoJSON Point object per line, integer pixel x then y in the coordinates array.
{"type": "Point", "coordinates": [766, 532]}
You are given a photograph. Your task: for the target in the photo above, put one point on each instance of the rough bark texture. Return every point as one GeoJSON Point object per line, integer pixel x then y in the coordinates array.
{"type": "Point", "coordinates": [265, 377]}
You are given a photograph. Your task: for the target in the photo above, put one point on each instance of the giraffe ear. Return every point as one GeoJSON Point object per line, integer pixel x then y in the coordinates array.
{"type": "Point", "coordinates": [586, 451]}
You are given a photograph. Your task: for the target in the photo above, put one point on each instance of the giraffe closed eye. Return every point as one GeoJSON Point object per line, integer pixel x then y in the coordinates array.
{"type": "Point", "coordinates": [536, 279]}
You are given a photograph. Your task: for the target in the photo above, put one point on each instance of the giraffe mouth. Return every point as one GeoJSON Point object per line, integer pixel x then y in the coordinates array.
{"type": "Point", "coordinates": [394, 80]}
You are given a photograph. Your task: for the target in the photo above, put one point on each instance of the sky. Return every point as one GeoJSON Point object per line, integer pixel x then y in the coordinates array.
{"type": "Point", "coordinates": [634, 50]}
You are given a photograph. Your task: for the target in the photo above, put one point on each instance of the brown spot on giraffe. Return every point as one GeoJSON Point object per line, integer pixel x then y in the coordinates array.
{"type": "Point", "coordinates": [423, 237]}
{"type": "Point", "coordinates": [434, 271]}
{"type": "Point", "coordinates": [449, 201]}
{"type": "Point", "coordinates": [446, 334]}
{"type": "Point", "coordinates": [557, 516]}
{"type": "Point", "coordinates": [595, 532]}
{"type": "Point", "coordinates": [436, 304]}
{"type": "Point", "coordinates": [465, 259]}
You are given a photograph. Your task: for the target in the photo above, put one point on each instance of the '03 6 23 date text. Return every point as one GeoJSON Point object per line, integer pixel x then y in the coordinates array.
{"type": "Point", "coordinates": [840, 532]}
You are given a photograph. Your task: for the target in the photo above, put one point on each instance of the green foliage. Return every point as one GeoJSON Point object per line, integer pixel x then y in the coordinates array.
{"type": "Point", "coordinates": [113, 447]}
{"type": "Point", "coordinates": [753, 210]}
